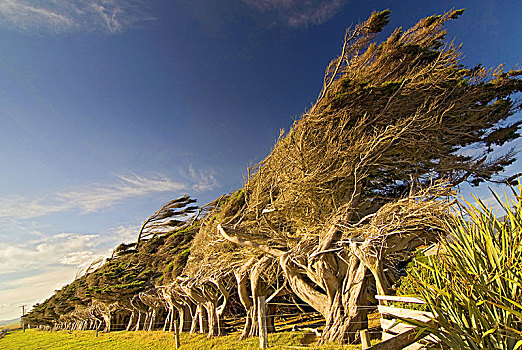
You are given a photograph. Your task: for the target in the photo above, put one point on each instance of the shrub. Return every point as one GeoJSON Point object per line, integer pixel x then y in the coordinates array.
{"type": "Point", "coordinates": [474, 284]}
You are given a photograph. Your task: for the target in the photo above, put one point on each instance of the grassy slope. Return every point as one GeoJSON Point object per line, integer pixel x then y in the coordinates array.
{"type": "Point", "coordinates": [34, 339]}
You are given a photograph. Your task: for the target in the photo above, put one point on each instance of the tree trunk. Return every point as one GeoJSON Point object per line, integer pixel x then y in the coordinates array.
{"type": "Point", "coordinates": [152, 319]}
{"type": "Point", "coordinates": [334, 278]}
{"type": "Point", "coordinates": [195, 322]}
{"type": "Point", "coordinates": [348, 311]}
{"type": "Point", "coordinates": [270, 312]}
{"type": "Point", "coordinates": [344, 301]}
{"type": "Point", "coordinates": [244, 298]}
{"type": "Point", "coordinates": [168, 319]}
{"type": "Point", "coordinates": [131, 321]}
{"type": "Point", "coordinates": [250, 303]}
{"type": "Point", "coordinates": [138, 322]}
{"type": "Point", "coordinates": [185, 318]}
{"type": "Point", "coordinates": [107, 319]}
{"type": "Point", "coordinates": [213, 319]}
{"type": "Point", "coordinates": [202, 319]}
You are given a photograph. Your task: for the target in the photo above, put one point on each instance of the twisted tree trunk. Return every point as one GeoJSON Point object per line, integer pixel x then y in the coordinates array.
{"type": "Point", "coordinates": [131, 321]}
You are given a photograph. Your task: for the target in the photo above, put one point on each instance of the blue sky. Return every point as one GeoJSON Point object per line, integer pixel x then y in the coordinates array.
{"type": "Point", "coordinates": [109, 108]}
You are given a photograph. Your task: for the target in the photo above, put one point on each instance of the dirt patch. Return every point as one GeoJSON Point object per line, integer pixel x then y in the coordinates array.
{"type": "Point", "coordinates": [309, 338]}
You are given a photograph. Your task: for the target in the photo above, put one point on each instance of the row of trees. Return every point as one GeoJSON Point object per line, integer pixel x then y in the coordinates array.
{"type": "Point", "coordinates": [330, 217]}
{"type": "Point", "coordinates": [121, 289]}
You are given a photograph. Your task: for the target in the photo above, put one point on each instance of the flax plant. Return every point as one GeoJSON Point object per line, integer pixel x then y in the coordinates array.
{"type": "Point", "coordinates": [474, 285]}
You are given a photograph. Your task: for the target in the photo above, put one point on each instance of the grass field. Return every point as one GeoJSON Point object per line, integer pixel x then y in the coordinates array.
{"type": "Point", "coordinates": [157, 340]}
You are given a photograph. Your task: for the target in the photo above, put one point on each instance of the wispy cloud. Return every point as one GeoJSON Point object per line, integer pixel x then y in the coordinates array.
{"type": "Point", "coordinates": [203, 180]}
{"type": "Point", "coordinates": [88, 199]}
{"type": "Point", "coordinates": [299, 13]}
{"type": "Point", "coordinates": [110, 16]}
{"type": "Point", "coordinates": [61, 249]}
{"type": "Point", "coordinates": [124, 233]}
{"type": "Point", "coordinates": [79, 258]}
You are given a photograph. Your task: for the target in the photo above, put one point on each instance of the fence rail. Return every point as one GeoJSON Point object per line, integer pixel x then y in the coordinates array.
{"type": "Point", "coordinates": [398, 335]}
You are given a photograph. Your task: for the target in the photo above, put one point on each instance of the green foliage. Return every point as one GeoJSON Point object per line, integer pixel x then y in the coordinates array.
{"type": "Point", "coordinates": [184, 254]}
{"type": "Point", "coordinates": [378, 21]}
{"type": "Point", "coordinates": [189, 230]}
{"type": "Point", "coordinates": [169, 267]}
{"type": "Point", "coordinates": [175, 267]}
{"type": "Point", "coordinates": [475, 285]}
{"type": "Point", "coordinates": [118, 287]}
{"type": "Point", "coordinates": [407, 285]}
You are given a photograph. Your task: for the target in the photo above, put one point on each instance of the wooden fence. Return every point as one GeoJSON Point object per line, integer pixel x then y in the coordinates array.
{"type": "Point", "coordinates": [399, 335]}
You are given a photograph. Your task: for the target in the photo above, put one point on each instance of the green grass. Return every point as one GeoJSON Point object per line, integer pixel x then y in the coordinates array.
{"type": "Point", "coordinates": [157, 340]}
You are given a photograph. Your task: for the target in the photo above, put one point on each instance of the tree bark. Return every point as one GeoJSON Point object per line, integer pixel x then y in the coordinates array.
{"type": "Point", "coordinates": [202, 319]}
{"type": "Point", "coordinates": [347, 311]}
{"type": "Point", "coordinates": [168, 319]}
{"type": "Point", "coordinates": [244, 298]}
{"type": "Point", "coordinates": [131, 321]}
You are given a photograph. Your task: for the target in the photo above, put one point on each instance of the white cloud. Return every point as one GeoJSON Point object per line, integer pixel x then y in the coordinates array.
{"type": "Point", "coordinates": [32, 289]}
{"type": "Point", "coordinates": [49, 262]}
{"type": "Point", "coordinates": [45, 278]}
{"type": "Point", "coordinates": [124, 233]}
{"type": "Point", "coordinates": [203, 180]}
{"type": "Point", "coordinates": [80, 258]}
{"type": "Point", "coordinates": [99, 197]}
{"type": "Point", "coordinates": [63, 249]}
{"type": "Point", "coordinates": [87, 199]}
{"type": "Point", "coordinates": [8, 225]}
{"type": "Point", "coordinates": [95, 197]}
{"type": "Point", "coordinates": [299, 13]}
{"type": "Point", "coordinates": [111, 16]}
{"type": "Point", "coordinates": [23, 15]}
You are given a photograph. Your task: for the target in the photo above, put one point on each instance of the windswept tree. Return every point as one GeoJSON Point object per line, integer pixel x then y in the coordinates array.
{"type": "Point", "coordinates": [171, 216]}
{"type": "Point", "coordinates": [363, 178]}
{"type": "Point", "coordinates": [332, 213]}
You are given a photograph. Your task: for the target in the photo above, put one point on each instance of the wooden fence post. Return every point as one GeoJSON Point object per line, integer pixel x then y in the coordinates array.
{"type": "Point", "coordinates": [365, 339]}
{"type": "Point", "coordinates": [261, 318]}
{"type": "Point", "coordinates": [176, 333]}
